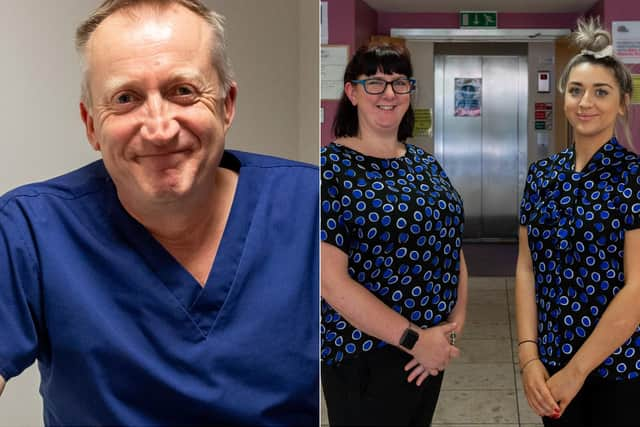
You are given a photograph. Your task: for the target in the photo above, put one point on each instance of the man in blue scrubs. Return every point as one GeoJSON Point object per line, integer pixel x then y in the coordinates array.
{"type": "Point", "coordinates": [172, 282]}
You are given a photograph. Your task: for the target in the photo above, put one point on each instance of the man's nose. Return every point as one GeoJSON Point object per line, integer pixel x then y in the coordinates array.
{"type": "Point", "coordinates": [159, 126]}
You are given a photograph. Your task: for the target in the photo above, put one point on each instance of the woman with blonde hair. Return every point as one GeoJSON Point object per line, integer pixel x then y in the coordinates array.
{"type": "Point", "coordinates": [577, 286]}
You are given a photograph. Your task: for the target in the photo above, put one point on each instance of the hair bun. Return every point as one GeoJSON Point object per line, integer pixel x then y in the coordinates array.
{"type": "Point", "coordinates": [590, 35]}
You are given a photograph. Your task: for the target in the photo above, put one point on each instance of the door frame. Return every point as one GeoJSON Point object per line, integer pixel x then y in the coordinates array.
{"type": "Point", "coordinates": [481, 35]}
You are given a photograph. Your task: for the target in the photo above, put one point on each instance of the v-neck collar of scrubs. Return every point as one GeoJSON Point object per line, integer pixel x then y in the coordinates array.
{"type": "Point", "coordinates": [609, 155]}
{"type": "Point", "coordinates": [201, 304]}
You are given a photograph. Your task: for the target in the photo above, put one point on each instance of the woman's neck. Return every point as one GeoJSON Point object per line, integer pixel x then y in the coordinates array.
{"type": "Point", "coordinates": [585, 148]}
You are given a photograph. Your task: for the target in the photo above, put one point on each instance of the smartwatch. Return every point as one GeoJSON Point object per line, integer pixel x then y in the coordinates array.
{"type": "Point", "coordinates": [409, 338]}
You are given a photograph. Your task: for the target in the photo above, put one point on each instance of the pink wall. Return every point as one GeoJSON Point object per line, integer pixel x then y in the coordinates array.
{"type": "Point", "coordinates": [351, 22]}
{"type": "Point", "coordinates": [342, 18]}
{"type": "Point", "coordinates": [366, 23]}
{"type": "Point", "coordinates": [597, 9]}
{"type": "Point", "coordinates": [622, 10]}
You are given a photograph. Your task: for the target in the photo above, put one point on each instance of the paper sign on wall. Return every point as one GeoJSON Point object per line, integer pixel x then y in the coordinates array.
{"type": "Point", "coordinates": [423, 121]}
{"type": "Point", "coordinates": [333, 61]}
{"type": "Point", "coordinates": [626, 41]}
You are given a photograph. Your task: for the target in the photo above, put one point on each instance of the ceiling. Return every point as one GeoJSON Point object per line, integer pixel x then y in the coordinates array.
{"type": "Point", "coordinates": [512, 6]}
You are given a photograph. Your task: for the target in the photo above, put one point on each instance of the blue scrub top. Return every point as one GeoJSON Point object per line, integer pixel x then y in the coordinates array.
{"type": "Point", "coordinates": [125, 335]}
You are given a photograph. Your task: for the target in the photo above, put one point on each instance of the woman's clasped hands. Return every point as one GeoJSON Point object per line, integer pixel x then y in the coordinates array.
{"type": "Point", "coordinates": [432, 353]}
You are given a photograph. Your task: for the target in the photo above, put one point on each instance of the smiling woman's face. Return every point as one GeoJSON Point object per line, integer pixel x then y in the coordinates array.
{"type": "Point", "coordinates": [379, 114]}
{"type": "Point", "coordinates": [592, 102]}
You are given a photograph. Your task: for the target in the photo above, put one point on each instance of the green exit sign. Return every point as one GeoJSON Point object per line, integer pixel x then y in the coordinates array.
{"type": "Point", "coordinates": [479, 19]}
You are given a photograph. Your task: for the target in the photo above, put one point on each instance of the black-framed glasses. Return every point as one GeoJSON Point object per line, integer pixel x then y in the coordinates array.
{"type": "Point", "coordinates": [376, 86]}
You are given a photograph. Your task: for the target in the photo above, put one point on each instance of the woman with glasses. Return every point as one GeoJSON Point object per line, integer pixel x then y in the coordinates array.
{"type": "Point", "coordinates": [578, 275]}
{"type": "Point", "coordinates": [394, 282]}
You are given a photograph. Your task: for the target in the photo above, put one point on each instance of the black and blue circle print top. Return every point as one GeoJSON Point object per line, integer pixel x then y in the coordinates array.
{"type": "Point", "coordinates": [400, 222]}
{"type": "Point", "coordinates": [576, 223]}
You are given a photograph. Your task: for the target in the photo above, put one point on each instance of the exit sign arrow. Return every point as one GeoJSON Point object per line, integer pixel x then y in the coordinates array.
{"type": "Point", "coordinates": [478, 19]}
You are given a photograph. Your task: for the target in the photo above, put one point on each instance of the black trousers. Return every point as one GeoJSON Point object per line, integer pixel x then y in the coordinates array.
{"type": "Point", "coordinates": [601, 403]}
{"type": "Point", "coordinates": [372, 390]}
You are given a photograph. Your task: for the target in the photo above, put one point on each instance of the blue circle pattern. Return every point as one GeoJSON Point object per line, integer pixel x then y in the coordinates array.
{"type": "Point", "coordinates": [576, 222]}
{"type": "Point", "coordinates": [400, 221]}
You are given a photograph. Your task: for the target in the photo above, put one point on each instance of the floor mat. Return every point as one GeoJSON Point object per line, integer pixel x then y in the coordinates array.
{"type": "Point", "coordinates": [491, 259]}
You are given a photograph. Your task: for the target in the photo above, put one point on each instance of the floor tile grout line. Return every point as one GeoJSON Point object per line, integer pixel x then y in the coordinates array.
{"type": "Point", "coordinates": [515, 370]}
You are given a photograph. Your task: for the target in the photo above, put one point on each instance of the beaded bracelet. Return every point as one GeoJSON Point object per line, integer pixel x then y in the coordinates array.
{"type": "Point", "coordinates": [527, 362]}
{"type": "Point", "coordinates": [524, 341]}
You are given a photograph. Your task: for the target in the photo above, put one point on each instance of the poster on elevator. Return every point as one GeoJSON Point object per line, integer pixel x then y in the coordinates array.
{"type": "Point", "coordinates": [468, 97]}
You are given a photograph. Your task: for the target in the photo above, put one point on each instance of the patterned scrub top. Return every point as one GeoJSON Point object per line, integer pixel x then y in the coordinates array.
{"type": "Point", "coordinates": [400, 221]}
{"type": "Point", "coordinates": [576, 223]}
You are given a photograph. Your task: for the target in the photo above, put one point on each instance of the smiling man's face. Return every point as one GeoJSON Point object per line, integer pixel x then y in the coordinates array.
{"type": "Point", "coordinates": [159, 114]}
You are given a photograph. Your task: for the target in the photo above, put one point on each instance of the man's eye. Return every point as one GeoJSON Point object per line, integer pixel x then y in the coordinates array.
{"type": "Point", "coordinates": [124, 98]}
{"type": "Point", "coordinates": [184, 90]}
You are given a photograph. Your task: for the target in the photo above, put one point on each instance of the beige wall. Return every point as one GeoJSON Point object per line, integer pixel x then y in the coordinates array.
{"type": "Point", "coordinates": [422, 61]}
{"type": "Point", "coordinates": [273, 45]}
{"type": "Point", "coordinates": [541, 57]}
{"type": "Point", "coordinates": [274, 48]}
{"type": "Point", "coordinates": [274, 52]}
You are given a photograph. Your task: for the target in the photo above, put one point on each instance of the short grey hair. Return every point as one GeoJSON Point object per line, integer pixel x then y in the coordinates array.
{"type": "Point", "coordinates": [219, 58]}
{"type": "Point", "coordinates": [591, 38]}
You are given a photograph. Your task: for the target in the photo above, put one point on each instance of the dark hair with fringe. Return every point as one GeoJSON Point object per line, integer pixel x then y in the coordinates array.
{"type": "Point", "coordinates": [367, 61]}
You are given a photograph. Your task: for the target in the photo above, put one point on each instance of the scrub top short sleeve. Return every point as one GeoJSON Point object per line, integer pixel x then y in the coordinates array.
{"type": "Point", "coordinates": [125, 335]}
{"type": "Point", "coordinates": [18, 302]}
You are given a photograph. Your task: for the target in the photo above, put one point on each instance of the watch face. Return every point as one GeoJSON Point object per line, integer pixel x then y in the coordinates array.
{"type": "Point", "coordinates": [409, 338]}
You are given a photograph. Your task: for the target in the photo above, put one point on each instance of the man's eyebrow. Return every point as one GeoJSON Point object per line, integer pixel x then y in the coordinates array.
{"type": "Point", "coordinates": [190, 75]}
{"type": "Point", "coordinates": [113, 84]}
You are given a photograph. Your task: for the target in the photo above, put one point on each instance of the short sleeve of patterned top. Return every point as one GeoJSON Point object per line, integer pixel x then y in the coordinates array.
{"type": "Point", "coordinates": [576, 223]}
{"type": "Point", "coordinates": [400, 222]}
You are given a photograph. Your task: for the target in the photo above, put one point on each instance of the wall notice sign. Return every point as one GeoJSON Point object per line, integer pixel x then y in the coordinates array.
{"type": "Point", "coordinates": [468, 97]}
{"type": "Point", "coordinates": [626, 40]}
{"type": "Point", "coordinates": [423, 120]}
{"type": "Point", "coordinates": [635, 99]}
{"type": "Point", "coordinates": [333, 61]}
{"type": "Point", "coordinates": [543, 115]}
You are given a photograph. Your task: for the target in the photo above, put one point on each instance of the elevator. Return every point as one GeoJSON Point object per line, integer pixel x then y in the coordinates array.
{"type": "Point", "coordinates": [480, 131]}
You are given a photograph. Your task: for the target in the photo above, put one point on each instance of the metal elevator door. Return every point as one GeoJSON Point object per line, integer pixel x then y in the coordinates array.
{"type": "Point", "coordinates": [483, 147]}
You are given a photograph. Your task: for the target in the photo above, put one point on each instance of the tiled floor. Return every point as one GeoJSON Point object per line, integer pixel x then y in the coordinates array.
{"type": "Point", "coordinates": [482, 387]}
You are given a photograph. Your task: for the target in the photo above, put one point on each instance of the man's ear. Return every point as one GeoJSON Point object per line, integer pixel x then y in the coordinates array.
{"type": "Point", "coordinates": [230, 106]}
{"type": "Point", "coordinates": [89, 127]}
